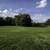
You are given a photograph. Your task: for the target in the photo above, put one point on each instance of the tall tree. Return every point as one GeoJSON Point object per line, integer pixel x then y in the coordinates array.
{"type": "Point", "coordinates": [23, 19]}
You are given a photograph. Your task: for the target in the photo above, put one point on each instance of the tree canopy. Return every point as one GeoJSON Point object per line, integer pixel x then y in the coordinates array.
{"type": "Point", "coordinates": [23, 19]}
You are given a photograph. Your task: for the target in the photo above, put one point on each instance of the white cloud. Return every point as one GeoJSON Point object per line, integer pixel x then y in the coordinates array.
{"type": "Point", "coordinates": [39, 18]}
{"type": "Point", "coordinates": [41, 4]}
{"type": "Point", "coordinates": [10, 12]}
{"type": "Point", "coordinates": [0, 11]}
{"type": "Point", "coordinates": [5, 11]}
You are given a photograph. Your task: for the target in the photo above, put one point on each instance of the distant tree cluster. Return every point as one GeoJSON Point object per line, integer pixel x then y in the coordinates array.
{"type": "Point", "coordinates": [21, 20]}
{"type": "Point", "coordinates": [7, 21]}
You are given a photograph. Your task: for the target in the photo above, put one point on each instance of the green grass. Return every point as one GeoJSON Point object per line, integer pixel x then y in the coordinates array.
{"type": "Point", "coordinates": [24, 38]}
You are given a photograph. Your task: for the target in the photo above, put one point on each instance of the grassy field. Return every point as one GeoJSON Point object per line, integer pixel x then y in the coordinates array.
{"type": "Point", "coordinates": [24, 38]}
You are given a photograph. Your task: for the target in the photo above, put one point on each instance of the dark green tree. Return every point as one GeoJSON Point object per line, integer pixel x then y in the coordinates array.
{"type": "Point", "coordinates": [48, 22]}
{"type": "Point", "coordinates": [23, 20]}
{"type": "Point", "coordinates": [10, 21]}
{"type": "Point", "coordinates": [1, 21]}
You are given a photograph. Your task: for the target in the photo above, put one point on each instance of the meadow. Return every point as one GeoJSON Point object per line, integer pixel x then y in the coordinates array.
{"type": "Point", "coordinates": [24, 38]}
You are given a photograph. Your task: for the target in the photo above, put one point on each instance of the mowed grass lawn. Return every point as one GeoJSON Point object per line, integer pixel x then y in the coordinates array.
{"type": "Point", "coordinates": [24, 38]}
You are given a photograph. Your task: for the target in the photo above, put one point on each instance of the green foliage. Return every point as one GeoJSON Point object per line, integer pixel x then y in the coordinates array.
{"type": "Point", "coordinates": [23, 20]}
{"type": "Point", "coordinates": [48, 22]}
{"type": "Point", "coordinates": [7, 21]}
{"type": "Point", "coordinates": [10, 21]}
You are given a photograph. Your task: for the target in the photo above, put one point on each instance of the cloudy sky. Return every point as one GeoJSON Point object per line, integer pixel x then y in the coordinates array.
{"type": "Point", "coordinates": [38, 9]}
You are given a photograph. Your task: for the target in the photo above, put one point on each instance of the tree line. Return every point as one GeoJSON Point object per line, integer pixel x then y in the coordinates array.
{"type": "Point", "coordinates": [21, 20]}
{"type": "Point", "coordinates": [7, 21]}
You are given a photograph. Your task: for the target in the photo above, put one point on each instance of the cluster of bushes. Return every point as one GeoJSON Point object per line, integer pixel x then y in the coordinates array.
{"type": "Point", "coordinates": [21, 20]}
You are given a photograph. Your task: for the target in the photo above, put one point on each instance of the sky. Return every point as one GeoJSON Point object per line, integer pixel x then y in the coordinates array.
{"type": "Point", "coordinates": [38, 9]}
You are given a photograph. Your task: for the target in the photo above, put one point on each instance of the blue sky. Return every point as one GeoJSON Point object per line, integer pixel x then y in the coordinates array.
{"type": "Point", "coordinates": [33, 7]}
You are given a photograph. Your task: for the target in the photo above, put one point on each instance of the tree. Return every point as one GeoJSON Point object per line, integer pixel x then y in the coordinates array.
{"type": "Point", "coordinates": [48, 22]}
{"type": "Point", "coordinates": [23, 20]}
{"type": "Point", "coordinates": [1, 21]}
{"type": "Point", "coordinates": [10, 21]}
